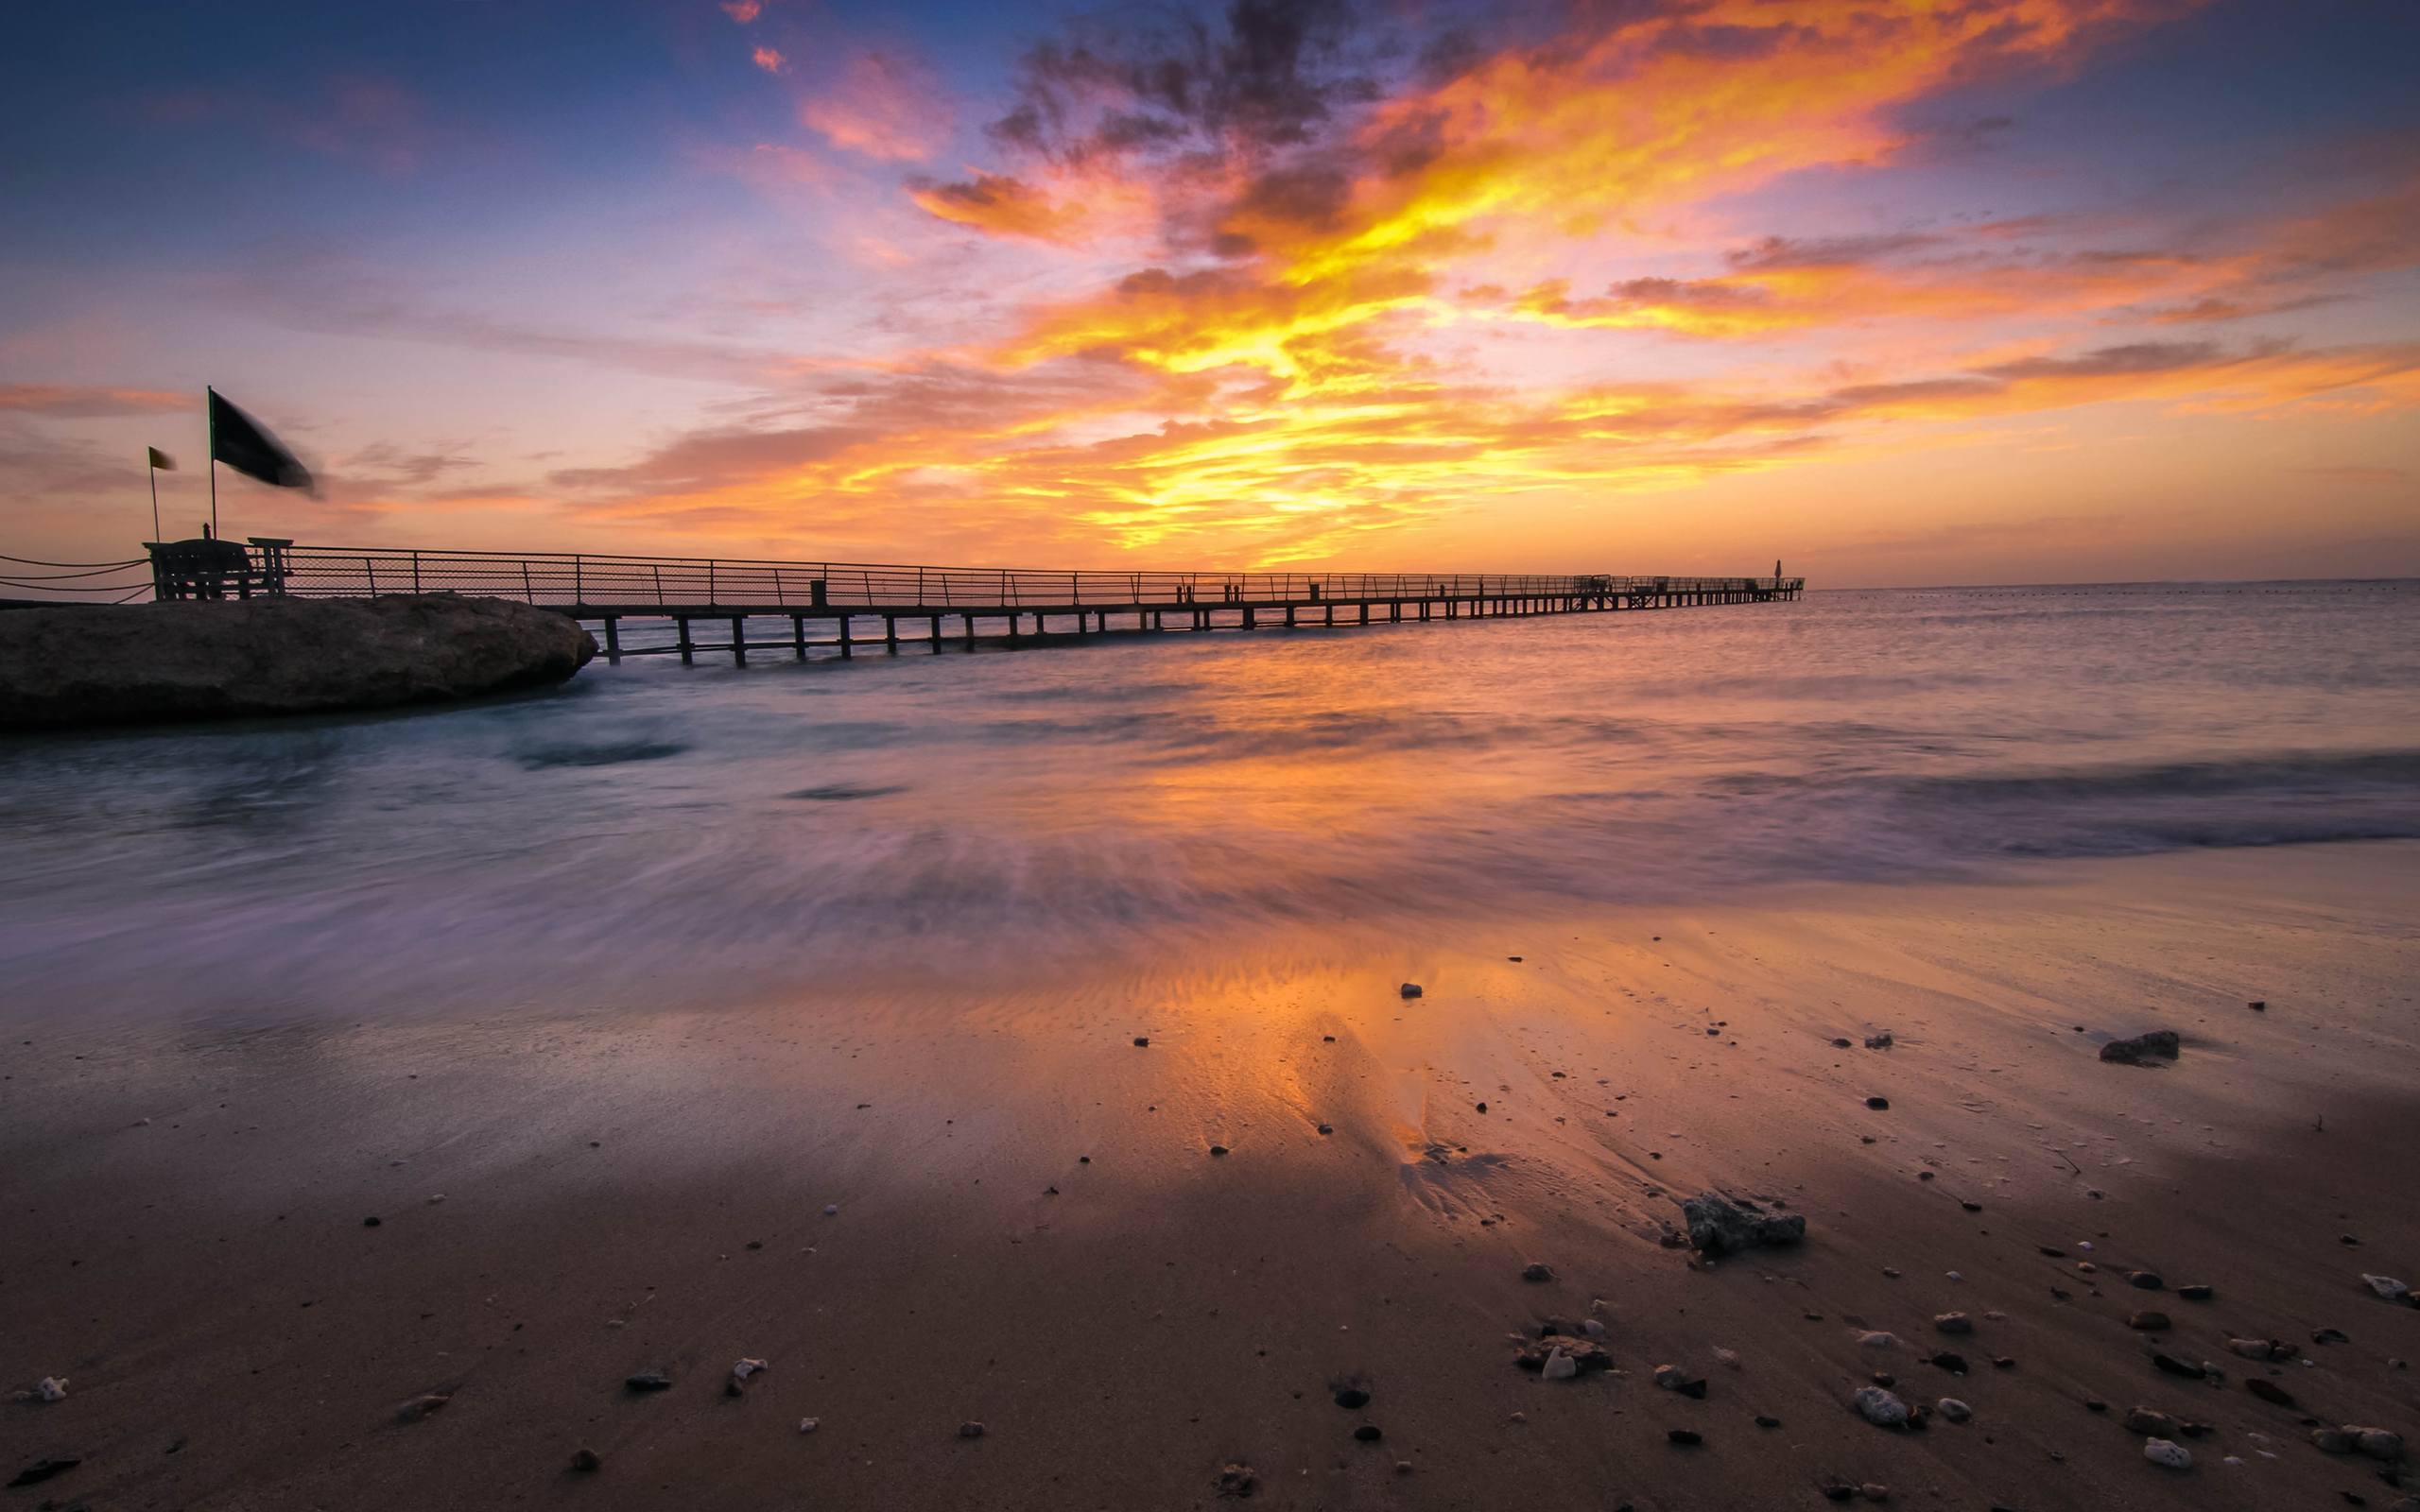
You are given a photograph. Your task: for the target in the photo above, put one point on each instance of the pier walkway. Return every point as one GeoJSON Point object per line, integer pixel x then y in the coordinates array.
{"type": "Point", "coordinates": [843, 607]}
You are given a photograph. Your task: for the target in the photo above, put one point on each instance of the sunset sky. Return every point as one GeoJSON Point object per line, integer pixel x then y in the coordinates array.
{"type": "Point", "coordinates": [1900, 291]}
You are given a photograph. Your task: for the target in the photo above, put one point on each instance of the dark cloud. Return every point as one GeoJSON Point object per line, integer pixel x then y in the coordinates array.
{"type": "Point", "coordinates": [1692, 292]}
{"type": "Point", "coordinates": [387, 464]}
{"type": "Point", "coordinates": [1829, 252]}
{"type": "Point", "coordinates": [1264, 75]}
{"type": "Point", "coordinates": [2132, 359]}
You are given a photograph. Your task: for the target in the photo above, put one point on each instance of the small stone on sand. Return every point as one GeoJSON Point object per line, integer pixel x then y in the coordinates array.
{"type": "Point", "coordinates": [2161, 1451]}
{"type": "Point", "coordinates": [1881, 1408]}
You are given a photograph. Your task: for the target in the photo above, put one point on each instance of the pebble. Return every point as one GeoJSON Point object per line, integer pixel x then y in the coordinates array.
{"type": "Point", "coordinates": [371, 1222]}
{"type": "Point", "coordinates": [1236, 1479]}
{"type": "Point", "coordinates": [419, 1407]}
{"type": "Point", "coordinates": [1954, 1364]}
{"type": "Point", "coordinates": [1410, 990]}
{"type": "Point", "coordinates": [1878, 1103]}
{"type": "Point", "coordinates": [1673, 1378]}
{"type": "Point", "coordinates": [2388, 1288]}
{"type": "Point", "coordinates": [1142, 1041]}
{"type": "Point", "coordinates": [1403, 1467]}
{"type": "Point", "coordinates": [2196, 1293]}
{"type": "Point", "coordinates": [1217, 1149]}
{"type": "Point", "coordinates": [1841, 1043]}
{"type": "Point", "coordinates": [831, 1210]}
{"type": "Point", "coordinates": [2261, 1349]}
{"type": "Point", "coordinates": [744, 1368]}
{"type": "Point", "coordinates": [1559, 1366]}
{"type": "Point", "coordinates": [2149, 1423]}
{"type": "Point", "coordinates": [2147, 1280]}
{"type": "Point", "coordinates": [51, 1388]}
{"type": "Point", "coordinates": [1881, 1408]}
{"type": "Point", "coordinates": [649, 1380]}
{"type": "Point", "coordinates": [1763, 1422]}
{"type": "Point", "coordinates": [1876, 1339]}
{"type": "Point", "coordinates": [1352, 1399]}
{"type": "Point", "coordinates": [1874, 1492]}
{"type": "Point", "coordinates": [43, 1469]}
{"type": "Point", "coordinates": [808, 1425]}
{"type": "Point", "coordinates": [1683, 1436]}
{"type": "Point", "coordinates": [1370, 1433]}
{"type": "Point", "coordinates": [970, 1429]}
{"type": "Point", "coordinates": [2149, 1322]}
{"type": "Point", "coordinates": [1537, 1270]}
{"type": "Point", "coordinates": [586, 1460]}
{"type": "Point", "coordinates": [2154, 1044]}
{"type": "Point", "coordinates": [2161, 1451]}
{"type": "Point", "coordinates": [2267, 1391]}
{"type": "Point", "coordinates": [1327, 1129]}
{"type": "Point", "coordinates": [1954, 1323]}
{"type": "Point", "coordinates": [2175, 1367]}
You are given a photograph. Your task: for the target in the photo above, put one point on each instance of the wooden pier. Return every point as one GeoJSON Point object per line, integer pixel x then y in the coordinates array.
{"type": "Point", "coordinates": [841, 609]}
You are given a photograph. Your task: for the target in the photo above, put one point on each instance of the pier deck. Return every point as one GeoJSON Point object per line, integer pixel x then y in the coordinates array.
{"type": "Point", "coordinates": [843, 607]}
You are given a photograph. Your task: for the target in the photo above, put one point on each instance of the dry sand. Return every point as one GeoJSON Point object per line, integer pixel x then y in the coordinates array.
{"type": "Point", "coordinates": [184, 1236]}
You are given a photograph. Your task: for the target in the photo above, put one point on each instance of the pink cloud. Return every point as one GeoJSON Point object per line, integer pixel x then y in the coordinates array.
{"type": "Point", "coordinates": [770, 60]}
{"type": "Point", "coordinates": [884, 107]}
{"type": "Point", "coordinates": [743, 12]}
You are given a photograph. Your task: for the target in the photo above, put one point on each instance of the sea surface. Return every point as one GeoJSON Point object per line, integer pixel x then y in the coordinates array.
{"type": "Point", "coordinates": [655, 832]}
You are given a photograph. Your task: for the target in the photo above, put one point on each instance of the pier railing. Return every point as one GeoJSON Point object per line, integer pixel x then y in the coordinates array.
{"type": "Point", "coordinates": [566, 579]}
{"type": "Point", "coordinates": [579, 580]}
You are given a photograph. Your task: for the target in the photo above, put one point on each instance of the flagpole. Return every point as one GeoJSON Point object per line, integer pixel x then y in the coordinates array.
{"type": "Point", "coordinates": [211, 419]}
{"type": "Point", "coordinates": [152, 470]}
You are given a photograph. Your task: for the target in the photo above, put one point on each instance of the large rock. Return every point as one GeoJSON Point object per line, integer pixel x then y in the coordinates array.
{"type": "Point", "coordinates": [2143, 1049]}
{"type": "Point", "coordinates": [1719, 1224]}
{"type": "Point", "coordinates": [272, 656]}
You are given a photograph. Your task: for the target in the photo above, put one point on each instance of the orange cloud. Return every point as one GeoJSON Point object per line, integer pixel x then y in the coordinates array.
{"type": "Point", "coordinates": [76, 401]}
{"type": "Point", "coordinates": [770, 59]}
{"type": "Point", "coordinates": [1323, 351]}
{"type": "Point", "coordinates": [1066, 210]}
{"type": "Point", "coordinates": [743, 12]}
{"type": "Point", "coordinates": [884, 107]}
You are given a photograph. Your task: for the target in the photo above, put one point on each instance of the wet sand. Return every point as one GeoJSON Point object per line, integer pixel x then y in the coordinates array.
{"type": "Point", "coordinates": [621, 1192]}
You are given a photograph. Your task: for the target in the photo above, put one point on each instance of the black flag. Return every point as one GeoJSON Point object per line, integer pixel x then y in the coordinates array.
{"type": "Point", "coordinates": [238, 440]}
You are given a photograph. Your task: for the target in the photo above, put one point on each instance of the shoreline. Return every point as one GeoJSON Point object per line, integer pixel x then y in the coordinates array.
{"type": "Point", "coordinates": [207, 1277]}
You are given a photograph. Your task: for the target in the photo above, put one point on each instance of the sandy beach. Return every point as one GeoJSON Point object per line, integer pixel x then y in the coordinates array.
{"type": "Point", "coordinates": [948, 1200]}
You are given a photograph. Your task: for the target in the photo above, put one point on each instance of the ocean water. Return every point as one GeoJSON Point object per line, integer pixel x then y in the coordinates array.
{"type": "Point", "coordinates": [654, 832]}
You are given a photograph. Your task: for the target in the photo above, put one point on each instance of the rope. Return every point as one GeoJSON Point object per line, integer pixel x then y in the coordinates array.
{"type": "Point", "coordinates": [37, 585]}
{"type": "Point", "coordinates": [97, 572]}
{"type": "Point", "coordinates": [28, 561]}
